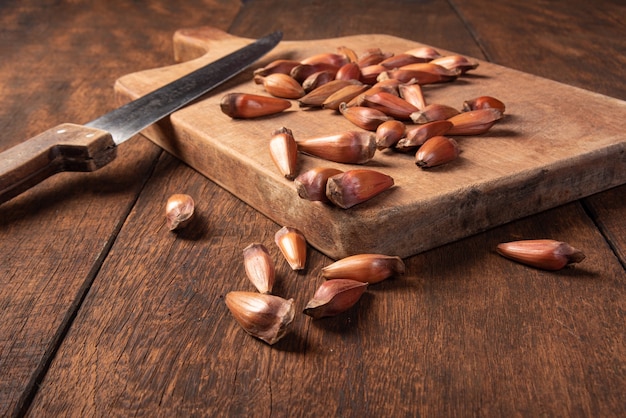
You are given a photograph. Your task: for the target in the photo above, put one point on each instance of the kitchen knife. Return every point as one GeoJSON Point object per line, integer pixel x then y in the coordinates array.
{"type": "Point", "coordinates": [88, 147]}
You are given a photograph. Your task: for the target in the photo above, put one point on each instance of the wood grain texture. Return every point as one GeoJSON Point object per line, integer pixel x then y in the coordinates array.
{"type": "Point", "coordinates": [607, 210]}
{"type": "Point", "coordinates": [584, 47]}
{"type": "Point", "coordinates": [464, 333]}
{"type": "Point", "coordinates": [429, 22]}
{"type": "Point", "coordinates": [547, 150]}
{"type": "Point", "coordinates": [66, 147]}
{"type": "Point", "coordinates": [55, 237]}
{"type": "Point", "coordinates": [589, 38]}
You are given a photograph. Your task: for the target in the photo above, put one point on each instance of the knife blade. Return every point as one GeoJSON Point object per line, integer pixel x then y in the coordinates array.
{"type": "Point", "coordinates": [88, 147]}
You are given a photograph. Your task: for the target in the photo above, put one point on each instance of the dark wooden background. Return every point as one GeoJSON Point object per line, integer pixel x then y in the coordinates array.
{"type": "Point", "coordinates": [105, 313]}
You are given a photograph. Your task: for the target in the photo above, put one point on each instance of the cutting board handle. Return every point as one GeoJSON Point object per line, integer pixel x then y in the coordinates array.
{"type": "Point", "coordinates": [66, 147]}
{"type": "Point", "coordinates": [192, 43]}
{"type": "Point", "coordinates": [193, 48]}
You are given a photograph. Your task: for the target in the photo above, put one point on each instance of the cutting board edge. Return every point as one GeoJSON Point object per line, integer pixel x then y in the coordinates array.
{"type": "Point", "coordinates": [441, 213]}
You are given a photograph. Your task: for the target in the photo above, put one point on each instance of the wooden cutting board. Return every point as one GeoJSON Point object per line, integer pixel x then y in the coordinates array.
{"type": "Point", "coordinates": [556, 144]}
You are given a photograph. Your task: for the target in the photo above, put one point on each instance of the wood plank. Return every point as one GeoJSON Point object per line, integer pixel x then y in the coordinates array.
{"type": "Point", "coordinates": [580, 44]}
{"type": "Point", "coordinates": [164, 286]}
{"type": "Point", "coordinates": [574, 44]}
{"type": "Point", "coordinates": [607, 209]}
{"type": "Point", "coordinates": [464, 333]}
{"type": "Point", "coordinates": [443, 340]}
{"type": "Point", "coordinates": [55, 237]}
{"type": "Point", "coordinates": [541, 155]}
{"type": "Point", "coordinates": [430, 22]}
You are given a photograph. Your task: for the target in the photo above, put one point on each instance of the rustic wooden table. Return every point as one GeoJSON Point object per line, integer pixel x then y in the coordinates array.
{"type": "Point", "coordinates": [104, 312]}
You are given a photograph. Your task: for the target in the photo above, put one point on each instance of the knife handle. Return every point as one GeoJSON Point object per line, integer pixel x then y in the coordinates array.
{"type": "Point", "coordinates": [66, 147]}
